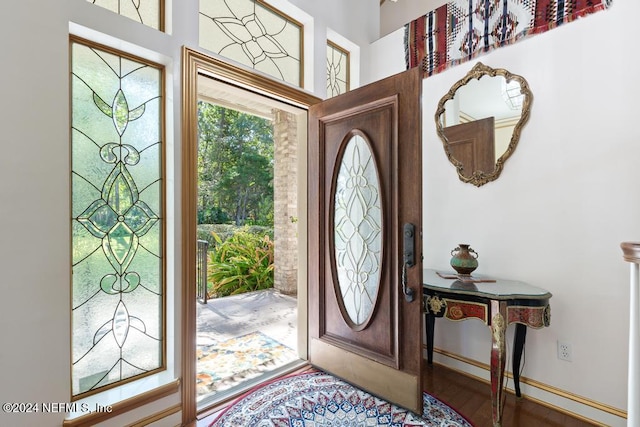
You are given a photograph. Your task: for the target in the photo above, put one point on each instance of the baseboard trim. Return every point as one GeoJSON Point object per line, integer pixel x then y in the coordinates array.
{"type": "Point", "coordinates": [157, 416]}
{"type": "Point", "coordinates": [124, 406]}
{"type": "Point", "coordinates": [589, 403]}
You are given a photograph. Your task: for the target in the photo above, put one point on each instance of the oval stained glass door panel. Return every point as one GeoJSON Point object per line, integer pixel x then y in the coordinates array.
{"type": "Point", "coordinates": [357, 231]}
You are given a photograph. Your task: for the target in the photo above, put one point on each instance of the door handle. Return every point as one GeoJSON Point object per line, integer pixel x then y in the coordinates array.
{"type": "Point", "coordinates": [408, 259]}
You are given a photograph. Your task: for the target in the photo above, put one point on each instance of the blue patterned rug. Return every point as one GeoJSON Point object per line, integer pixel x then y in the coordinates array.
{"type": "Point", "coordinates": [222, 365]}
{"type": "Point", "coordinates": [315, 399]}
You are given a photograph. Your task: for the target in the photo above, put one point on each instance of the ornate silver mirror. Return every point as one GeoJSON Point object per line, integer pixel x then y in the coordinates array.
{"type": "Point", "coordinates": [480, 119]}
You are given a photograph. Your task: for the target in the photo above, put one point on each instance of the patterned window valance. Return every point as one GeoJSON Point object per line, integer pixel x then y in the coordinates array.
{"type": "Point", "coordinates": [463, 29]}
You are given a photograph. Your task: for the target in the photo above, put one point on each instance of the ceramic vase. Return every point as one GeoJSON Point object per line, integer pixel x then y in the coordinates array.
{"type": "Point", "coordinates": [464, 259]}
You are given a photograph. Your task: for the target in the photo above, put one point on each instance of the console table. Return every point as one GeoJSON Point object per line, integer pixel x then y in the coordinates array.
{"type": "Point", "coordinates": [496, 302]}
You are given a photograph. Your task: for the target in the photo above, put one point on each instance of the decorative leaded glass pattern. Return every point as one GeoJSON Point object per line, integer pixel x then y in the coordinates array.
{"type": "Point", "coordinates": [358, 230]}
{"type": "Point", "coordinates": [253, 34]}
{"type": "Point", "coordinates": [337, 70]}
{"type": "Point", "coordinates": [147, 12]}
{"type": "Point", "coordinates": [117, 226]}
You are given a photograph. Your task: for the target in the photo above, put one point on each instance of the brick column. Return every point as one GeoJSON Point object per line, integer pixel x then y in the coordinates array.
{"type": "Point", "coordinates": [285, 193]}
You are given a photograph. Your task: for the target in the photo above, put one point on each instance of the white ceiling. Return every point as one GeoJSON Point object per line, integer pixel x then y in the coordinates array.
{"type": "Point", "coordinates": [236, 98]}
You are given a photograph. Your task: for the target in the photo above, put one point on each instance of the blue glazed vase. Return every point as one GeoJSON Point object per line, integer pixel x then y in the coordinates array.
{"type": "Point", "coordinates": [464, 260]}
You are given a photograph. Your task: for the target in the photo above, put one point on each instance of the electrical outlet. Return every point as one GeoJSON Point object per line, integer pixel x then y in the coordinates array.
{"type": "Point", "coordinates": [564, 351]}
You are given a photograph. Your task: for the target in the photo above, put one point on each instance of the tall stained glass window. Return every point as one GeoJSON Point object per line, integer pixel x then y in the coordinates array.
{"type": "Point", "coordinates": [147, 12]}
{"type": "Point", "coordinates": [337, 70]}
{"type": "Point", "coordinates": [117, 218]}
{"type": "Point", "coordinates": [254, 34]}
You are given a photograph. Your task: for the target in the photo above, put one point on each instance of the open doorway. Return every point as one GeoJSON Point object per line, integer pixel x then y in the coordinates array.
{"type": "Point", "coordinates": [198, 69]}
{"type": "Point", "coordinates": [248, 256]}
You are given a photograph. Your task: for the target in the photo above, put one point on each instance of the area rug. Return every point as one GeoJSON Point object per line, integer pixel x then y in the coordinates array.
{"type": "Point", "coordinates": [222, 365]}
{"type": "Point", "coordinates": [315, 398]}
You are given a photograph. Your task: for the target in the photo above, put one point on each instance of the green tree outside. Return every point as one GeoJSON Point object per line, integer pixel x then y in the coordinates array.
{"type": "Point", "coordinates": [235, 189]}
{"type": "Point", "coordinates": [235, 167]}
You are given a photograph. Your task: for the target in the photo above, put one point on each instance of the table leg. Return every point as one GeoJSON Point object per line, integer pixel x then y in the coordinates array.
{"type": "Point", "coordinates": [498, 345]}
{"type": "Point", "coordinates": [518, 346]}
{"type": "Point", "coordinates": [430, 325]}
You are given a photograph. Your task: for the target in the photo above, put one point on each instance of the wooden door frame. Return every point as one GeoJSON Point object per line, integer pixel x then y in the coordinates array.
{"type": "Point", "coordinates": [195, 63]}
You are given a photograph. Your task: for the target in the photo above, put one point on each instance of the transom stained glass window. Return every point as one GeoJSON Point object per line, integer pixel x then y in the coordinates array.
{"type": "Point", "coordinates": [147, 12]}
{"type": "Point", "coordinates": [254, 34]}
{"type": "Point", "coordinates": [337, 70]}
{"type": "Point", "coordinates": [117, 222]}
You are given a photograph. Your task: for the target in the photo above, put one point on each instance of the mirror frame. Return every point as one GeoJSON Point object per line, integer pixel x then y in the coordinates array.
{"type": "Point", "coordinates": [480, 70]}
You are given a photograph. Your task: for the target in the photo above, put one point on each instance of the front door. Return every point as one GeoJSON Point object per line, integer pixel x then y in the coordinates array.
{"type": "Point", "coordinates": [365, 222]}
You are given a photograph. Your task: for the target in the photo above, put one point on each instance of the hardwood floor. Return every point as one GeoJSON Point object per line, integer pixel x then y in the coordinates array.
{"type": "Point", "coordinates": [472, 398]}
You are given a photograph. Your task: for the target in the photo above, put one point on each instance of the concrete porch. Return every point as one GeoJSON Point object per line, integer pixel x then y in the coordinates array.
{"type": "Point", "coordinates": [242, 337]}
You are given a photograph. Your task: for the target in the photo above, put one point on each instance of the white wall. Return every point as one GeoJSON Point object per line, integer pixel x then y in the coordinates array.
{"type": "Point", "coordinates": [565, 201]}
{"type": "Point", "coordinates": [554, 218]}
{"type": "Point", "coordinates": [394, 15]}
{"type": "Point", "coordinates": [331, 17]}
{"type": "Point", "coordinates": [34, 177]}
{"type": "Point", "coordinates": [35, 184]}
